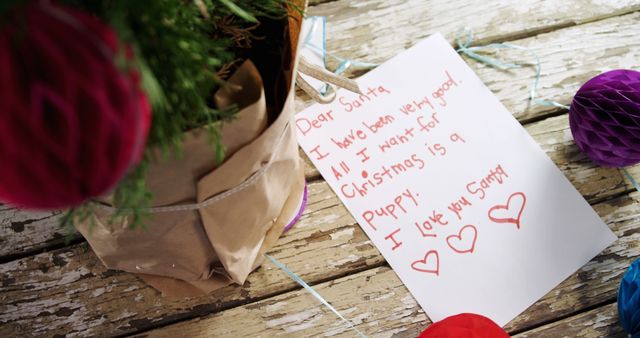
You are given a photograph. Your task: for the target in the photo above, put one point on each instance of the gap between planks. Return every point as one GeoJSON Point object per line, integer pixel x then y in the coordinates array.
{"type": "Point", "coordinates": [491, 76]}
{"type": "Point", "coordinates": [621, 215]}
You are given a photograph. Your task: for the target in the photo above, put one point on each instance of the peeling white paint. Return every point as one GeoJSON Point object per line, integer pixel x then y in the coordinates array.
{"type": "Point", "coordinates": [384, 296]}
{"type": "Point", "coordinates": [293, 318]}
{"type": "Point", "coordinates": [275, 307]}
{"type": "Point", "coordinates": [348, 232]}
{"type": "Point", "coordinates": [337, 263]}
{"type": "Point", "coordinates": [98, 292]}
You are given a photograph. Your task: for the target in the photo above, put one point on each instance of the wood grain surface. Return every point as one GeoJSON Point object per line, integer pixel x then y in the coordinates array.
{"type": "Point", "coordinates": [50, 287]}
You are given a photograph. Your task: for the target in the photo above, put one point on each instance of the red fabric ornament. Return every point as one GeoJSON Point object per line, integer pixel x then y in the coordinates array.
{"type": "Point", "coordinates": [465, 325]}
{"type": "Point", "coordinates": [71, 122]}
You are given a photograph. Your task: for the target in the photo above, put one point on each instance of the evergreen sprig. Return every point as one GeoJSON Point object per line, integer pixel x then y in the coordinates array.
{"type": "Point", "coordinates": [180, 52]}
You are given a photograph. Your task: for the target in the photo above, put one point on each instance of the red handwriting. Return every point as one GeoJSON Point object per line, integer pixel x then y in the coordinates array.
{"type": "Point", "coordinates": [363, 155]}
{"type": "Point", "coordinates": [398, 139]}
{"type": "Point", "coordinates": [441, 92]}
{"type": "Point", "coordinates": [305, 125]}
{"type": "Point", "coordinates": [436, 149]}
{"type": "Point", "coordinates": [436, 218]}
{"type": "Point", "coordinates": [348, 140]}
{"type": "Point", "coordinates": [430, 263]}
{"type": "Point", "coordinates": [455, 137]}
{"type": "Point", "coordinates": [414, 106]}
{"type": "Point", "coordinates": [511, 212]}
{"type": "Point", "coordinates": [319, 155]}
{"type": "Point", "coordinates": [384, 174]}
{"type": "Point", "coordinates": [396, 244]}
{"type": "Point", "coordinates": [392, 209]}
{"type": "Point", "coordinates": [350, 105]}
{"type": "Point", "coordinates": [378, 124]}
{"type": "Point", "coordinates": [359, 134]}
{"type": "Point", "coordinates": [465, 240]}
{"type": "Point", "coordinates": [426, 125]}
{"type": "Point", "coordinates": [496, 175]}
{"type": "Point", "coordinates": [342, 168]}
{"type": "Point", "coordinates": [424, 229]}
{"type": "Point", "coordinates": [390, 138]}
{"type": "Point", "coordinates": [457, 206]}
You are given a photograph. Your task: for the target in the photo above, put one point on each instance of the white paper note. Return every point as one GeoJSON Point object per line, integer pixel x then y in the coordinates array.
{"type": "Point", "coordinates": [463, 204]}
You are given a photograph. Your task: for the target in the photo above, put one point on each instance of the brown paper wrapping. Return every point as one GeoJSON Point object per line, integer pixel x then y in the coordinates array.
{"type": "Point", "coordinates": [210, 226]}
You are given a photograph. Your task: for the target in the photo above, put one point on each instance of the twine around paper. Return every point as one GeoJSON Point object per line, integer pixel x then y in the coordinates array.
{"type": "Point", "coordinates": [464, 47]}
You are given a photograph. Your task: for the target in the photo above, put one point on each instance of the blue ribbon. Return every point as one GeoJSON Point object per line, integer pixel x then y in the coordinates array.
{"type": "Point", "coordinates": [343, 63]}
{"type": "Point", "coordinates": [631, 179]}
{"type": "Point", "coordinates": [314, 293]}
{"type": "Point", "coordinates": [464, 48]}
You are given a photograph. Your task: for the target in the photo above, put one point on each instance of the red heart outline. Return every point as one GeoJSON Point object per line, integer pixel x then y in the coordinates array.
{"type": "Point", "coordinates": [459, 238]}
{"type": "Point", "coordinates": [516, 220]}
{"type": "Point", "coordinates": [435, 271]}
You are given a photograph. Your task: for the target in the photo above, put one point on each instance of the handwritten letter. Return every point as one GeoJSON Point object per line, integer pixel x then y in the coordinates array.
{"type": "Point", "coordinates": [463, 204]}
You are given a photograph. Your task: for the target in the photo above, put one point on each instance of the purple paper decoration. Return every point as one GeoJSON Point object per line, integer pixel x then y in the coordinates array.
{"type": "Point", "coordinates": [605, 118]}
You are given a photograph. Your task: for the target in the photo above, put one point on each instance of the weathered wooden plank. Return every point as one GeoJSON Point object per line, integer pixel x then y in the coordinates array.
{"type": "Point", "coordinates": [70, 291]}
{"type": "Point", "coordinates": [382, 28]}
{"type": "Point", "coordinates": [317, 2]}
{"type": "Point", "coordinates": [82, 281]}
{"type": "Point", "coordinates": [326, 236]}
{"type": "Point", "coordinates": [568, 57]}
{"type": "Point", "coordinates": [592, 181]}
{"type": "Point", "coordinates": [374, 300]}
{"type": "Point", "coordinates": [565, 67]}
{"type": "Point", "coordinates": [49, 292]}
{"type": "Point", "coordinates": [25, 231]}
{"type": "Point", "coordinates": [599, 322]}
{"type": "Point", "coordinates": [28, 231]}
{"type": "Point", "coordinates": [378, 304]}
{"type": "Point", "coordinates": [554, 137]}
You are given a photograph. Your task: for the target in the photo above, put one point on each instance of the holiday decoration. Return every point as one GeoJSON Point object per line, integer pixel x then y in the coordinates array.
{"type": "Point", "coordinates": [72, 122]}
{"type": "Point", "coordinates": [605, 118]}
{"type": "Point", "coordinates": [629, 299]}
{"type": "Point", "coordinates": [465, 325]}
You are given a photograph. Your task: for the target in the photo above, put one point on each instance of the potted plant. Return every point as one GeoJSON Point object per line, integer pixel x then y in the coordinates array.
{"type": "Point", "coordinates": [164, 127]}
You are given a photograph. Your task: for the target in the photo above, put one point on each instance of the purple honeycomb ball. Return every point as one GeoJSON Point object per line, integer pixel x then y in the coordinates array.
{"type": "Point", "coordinates": [605, 118]}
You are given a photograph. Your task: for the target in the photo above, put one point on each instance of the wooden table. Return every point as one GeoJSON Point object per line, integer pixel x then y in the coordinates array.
{"type": "Point", "coordinates": [49, 287]}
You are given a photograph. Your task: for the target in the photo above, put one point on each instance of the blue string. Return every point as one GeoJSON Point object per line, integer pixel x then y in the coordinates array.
{"type": "Point", "coordinates": [630, 178]}
{"type": "Point", "coordinates": [463, 47]}
{"type": "Point", "coordinates": [343, 63]}
{"type": "Point", "coordinates": [313, 292]}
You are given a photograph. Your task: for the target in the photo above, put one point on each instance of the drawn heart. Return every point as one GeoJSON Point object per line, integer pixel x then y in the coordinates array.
{"type": "Point", "coordinates": [511, 212]}
{"type": "Point", "coordinates": [427, 264]}
{"type": "Point", "coordinates": [465, 240]}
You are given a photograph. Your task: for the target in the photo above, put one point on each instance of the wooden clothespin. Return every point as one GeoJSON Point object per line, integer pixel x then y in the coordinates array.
{"type": "Point", "coordinates": [333, 80]}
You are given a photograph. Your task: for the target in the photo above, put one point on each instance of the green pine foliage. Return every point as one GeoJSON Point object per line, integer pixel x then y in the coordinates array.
{"type": "Point", "coordinates": [183, 50]}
